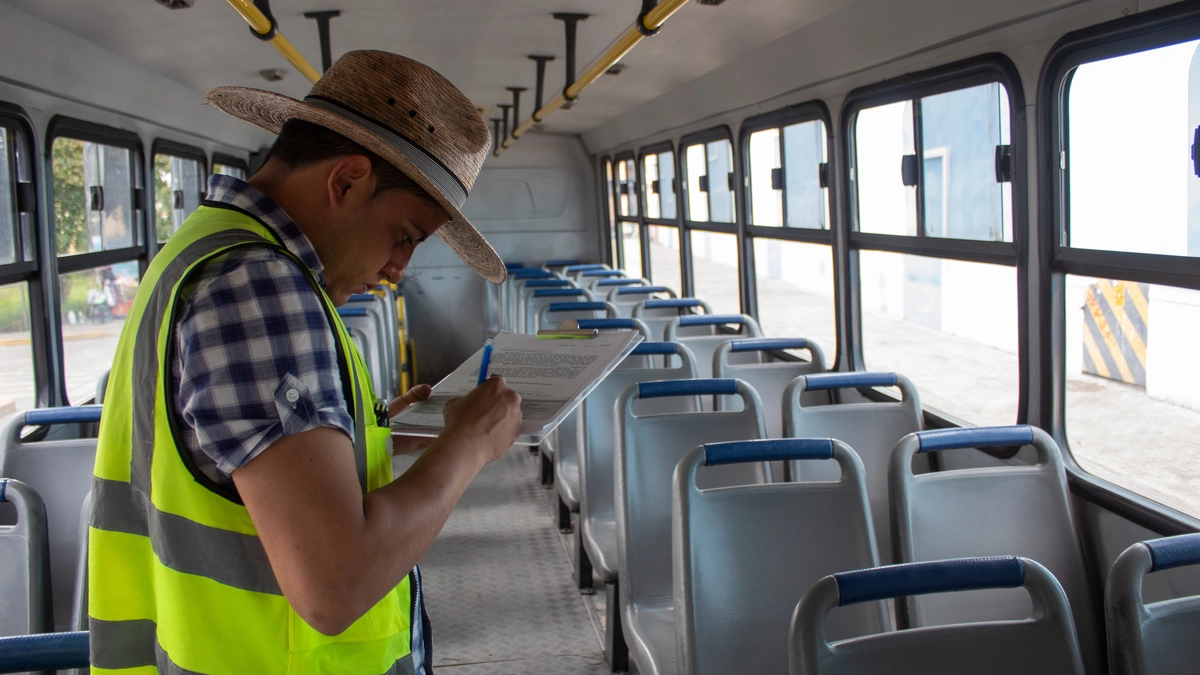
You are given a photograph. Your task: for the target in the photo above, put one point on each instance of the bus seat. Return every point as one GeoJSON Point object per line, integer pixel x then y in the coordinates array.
{"type": "Point", "coordinates": [596, 538]}
{"type": "Point", "coordinates": [390, 326]}
{"type": "Point", "coordinates": [102, 386]}
{"type": "Point", "coordinates": [576, 270]}
{"type": "Point", "coordinates": [628, 297]}
{"type": "Point", "coordinates": [566, 311]}
{"type": "Point", "coordinates": [739, 623]}
{"type": "Point", "coordinates": [364, 333]}
{"type": "Point", "coordinates": [658, 312]}
{"type": "Point", "coordinates": [25, 605]}
{"type": "Point", "coordinates": [60, 471]}
{"type": "Point", "coordinates": [1038, 643]}
{"type": "Point", "coordinates": [703, 334]}
{"type": "Point", "coordinates": [589, 278]}
{"type": "Point", "coordinates": [648, 449]}
{"type": "Point", "coordinates": [387, 336]}
{"type": "Point", "coordinates": [543, 297]}
{"type": "Point", "coordinates": [526, 291]}
{"type": "Point", "coordinates": [871, 428]}
{"type": "Point", "coordinates": [1011, 510]}
{"type": "Point", "coordinates": [510, 293]}
{"type": "Point", "coordinates": [1159, 638]}
{"type": "Point", "coordinates": [770, 378]}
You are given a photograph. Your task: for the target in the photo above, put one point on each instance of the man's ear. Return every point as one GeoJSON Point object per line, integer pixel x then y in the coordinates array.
{"type": "Point", "coordinates": [350, 179]}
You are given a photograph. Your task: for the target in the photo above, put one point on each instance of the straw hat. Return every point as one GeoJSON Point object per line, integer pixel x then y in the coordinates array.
{"type": "Point", "coordinates": [406, 113]}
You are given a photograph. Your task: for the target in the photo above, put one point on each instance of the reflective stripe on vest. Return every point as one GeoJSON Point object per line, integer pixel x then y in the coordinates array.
{"type": "Point", "coordinates": [179, 579]}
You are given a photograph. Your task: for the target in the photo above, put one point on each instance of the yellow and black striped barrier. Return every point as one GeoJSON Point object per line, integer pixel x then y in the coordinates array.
{"type": "Point", "coordinates": [1116, 317]}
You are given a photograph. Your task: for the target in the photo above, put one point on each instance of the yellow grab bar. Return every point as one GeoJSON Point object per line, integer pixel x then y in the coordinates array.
{"type": "Point", "coordinates": [262, 25]}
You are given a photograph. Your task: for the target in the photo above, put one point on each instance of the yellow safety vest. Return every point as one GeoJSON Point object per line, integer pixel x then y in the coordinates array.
{"type": "Point", "coordinates": [178, 579]}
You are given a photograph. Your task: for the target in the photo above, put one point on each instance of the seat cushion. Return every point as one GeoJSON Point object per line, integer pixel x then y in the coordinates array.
{"type": "Point", "coordinates": [600, 540]}
{"type": "Point", "coordinates": [650, 632]}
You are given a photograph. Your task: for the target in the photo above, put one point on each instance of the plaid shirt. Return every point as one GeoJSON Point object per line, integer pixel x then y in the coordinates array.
{"type": "Point", "coordinates": [251, 332]}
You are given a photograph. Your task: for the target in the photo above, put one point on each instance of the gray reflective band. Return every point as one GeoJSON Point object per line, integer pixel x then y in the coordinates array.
{"type": "Point", "coordinates": [441, 177]}
{"type": "Point", "coordinates": [117, 645]}
{"type": "Point", "coordinates": [227, 557]}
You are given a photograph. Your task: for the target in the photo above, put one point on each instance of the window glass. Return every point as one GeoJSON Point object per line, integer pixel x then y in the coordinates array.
{"type": "Point", "coordinates": [949, 326]}
{"type": "Point", "coordinates": [94, 305]}
{"type": "Point", "coordinates": [882, 137]}
{"type": "Point", "coordinates": [664, 257]}
{"type": "Point", "coordinates": [612, 213]}
{"type": "Point", "coordinates": [8, 198]}
{"type": "Point", "coordinates": [1132, 406]}
{"type": "Point", "coordinates": [715, 270]}
{"type": "Point", "coordinates": [1130, 127]}
{"type": "Point", "coordinates": [93, 196]}
{"type": "Point", "coordinates": [804, 152]}
{"type": "Point", "coordinates": [226, 170]}
{"type": "Point", "coordinates": [697, 198]}
{"type": "Point", "coordinates": [766, 193]}
{"type": "Point", "coordinates": [795, 291]}
{"type": "Point", "coordinates": [17, 387]}
{"type": "Point", "coordinates": [177, 189]}
{"type": "Point", "coordinates": [720, 182]}
{"type": "Point", "coordinates": [631, 249]}
{"type": "Point", "coordinates": [627, 187]}
{"type": "Point", "coordinates": [658, 184]}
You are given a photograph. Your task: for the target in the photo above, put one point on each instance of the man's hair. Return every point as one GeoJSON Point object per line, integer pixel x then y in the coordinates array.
{"type": "Point", "coordinates": [301, 143]}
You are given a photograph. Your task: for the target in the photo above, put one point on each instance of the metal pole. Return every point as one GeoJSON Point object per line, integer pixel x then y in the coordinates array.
{"type": "Point", "coordinates": [541, 78]}
{"type": "Point", "coordinates": [322, 19]}
{"type": "Point", "coordinates": [516, 92]}
{"type": "Point", "coordinates": [505, 107]}
{"type": "Point", "coordinates": [266, 29]}
{"type": "Point", "coordinates": [570, 22]}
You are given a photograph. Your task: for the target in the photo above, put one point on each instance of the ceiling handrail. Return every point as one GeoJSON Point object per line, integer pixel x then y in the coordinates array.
{"type": "Point", "coordinates": [263, 26]}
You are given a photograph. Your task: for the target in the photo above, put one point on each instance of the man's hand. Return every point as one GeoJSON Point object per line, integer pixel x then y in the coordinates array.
{"type": "Point", "coordinates": [408, 399]}
{"type": "Point", "coordinates": [489, 417]}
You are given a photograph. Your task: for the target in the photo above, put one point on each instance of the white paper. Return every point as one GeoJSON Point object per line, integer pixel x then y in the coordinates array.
{"type": "Point", "coordinates": [552, 376]}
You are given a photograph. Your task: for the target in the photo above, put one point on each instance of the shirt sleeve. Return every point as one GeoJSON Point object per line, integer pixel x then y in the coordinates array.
{"type": "Point", "coordinates": [257, 359]}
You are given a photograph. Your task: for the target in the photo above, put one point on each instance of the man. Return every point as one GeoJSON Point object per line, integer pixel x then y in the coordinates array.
{"type": "Point", "coordinates": [244, 515]}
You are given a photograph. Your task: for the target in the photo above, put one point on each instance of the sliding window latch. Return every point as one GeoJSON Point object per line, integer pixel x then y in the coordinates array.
{"type": "Point", "coordinates": [96, 203]}
{"type": "Point", "coordinates": [26, 198]}
{"type": "Point", "coordinates": [179, 200]}
{"type": "Point", "coordinates": [1004, 164]}
{"type": "Point", "coordinates": [732, 184]}
{"type": "Point", "coordinates": [1196, 152]}
{"type": "Point", "coordinates": [823, 174]}
{"type": "Point", "coordinates": [776, 179]}
{"type": "Point", "coordinates": [908, 170]}
{"type": "Point", "coordinates": [704, 183]}
{"type": "Point", "coordinates": [654, 186]}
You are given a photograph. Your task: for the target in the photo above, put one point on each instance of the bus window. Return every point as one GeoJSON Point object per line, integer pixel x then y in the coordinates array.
{"type": "Point", "coordinates": [95, 303]}
{"type": "Point", "coordinates": [715, 270]}
{"type": "Point", "coordinates": [883, 136]}
{"type": "Point", "coordinates": [227, 170]}
{"type": "Point", "coordinates": [664, 257]}
{"type": "Point", "coordinates": [658, 184]}
{"type": "Point", "coordinates": [949, 326]}
{"type": "Point", "coordinates": [177, 191]}
{"type": "Point", "coordinates": [631, 249]}
{"type": "Point", "coordinates": [17, 385]}
{"type": "Point", "coordinates": [613, 242]}
{"type": "Point", "coordinates": [93, 196]}
{"type": "Point", "coordinates": [1131, 122]}
{"type": "Point", "coordinates": [766, 192]}
{"type": "Point", "coordinates": [696, 182]}
{"type": "Point", "coordinates": [627, 187]}
{"type": "Point", "coordinates": [8, 200]}
{"type": "Point", "coordinates": [795, 291]}
{"type": "Point", "coordinates": [720, 181]}
{"type": "Point", "coordinates": [785, 177]}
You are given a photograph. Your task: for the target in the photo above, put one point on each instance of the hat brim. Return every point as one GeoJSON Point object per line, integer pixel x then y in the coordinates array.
{"type": "Point", "coordinates": [270, 110]}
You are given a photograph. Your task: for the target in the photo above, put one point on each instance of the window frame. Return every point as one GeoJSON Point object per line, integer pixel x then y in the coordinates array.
{"type": "Point", "coordinates": [687, 225]}
{"type": "Point", "coordinates": [228, 160]}
{"type": "Point", "coordinates": [676, 222]}
{"type": "Point", "coordinates": [636, 181]}
{"type": "Point", "coordinates": [1127, 35]}
{"type": "Point", "coordinates": [608, 214]}
{"type": "Point", "coordinates": [984, 69]}
{"type": "Point", "coordinates": [163, 146]}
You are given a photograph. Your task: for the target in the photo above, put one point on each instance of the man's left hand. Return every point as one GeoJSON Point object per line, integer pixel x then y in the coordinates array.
{"type": "Point", "coordinates": [402, 445]}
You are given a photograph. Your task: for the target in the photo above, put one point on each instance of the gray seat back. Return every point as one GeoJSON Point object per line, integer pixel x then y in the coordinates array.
{"type": "Point", "coordinates": [24, 563]}
{"type": "Point", "coordinates": [555, 313]}
{"type": "Point", "coordinates": [871, 428]}
{"type": "Point", "coordinates": [364, 332]}
{"type": "Point", "coordinates": [1159, 638]}
{"type": "Point", "coordinates": [702, 334]}
{"type": "Point", "coordinates": [576, 270]}
{"type": "Point", "coordinates": [1040, 643]}
{"type": "Point", "coordinates": [511, 294]}
{"type": "Point", "coordinates": [658, 312]}
{"type": "Point", "coordinates": [648, 449]}
{"type": "Point", "coordinates": [527, 289]}
{"type": "Point", "coordinates": [589, 278]}
{"type": "Point", "coordinates": [626, 298]}
{"type": "Point", "coordinates": [387, 341]}
{"type": "Point", "coordinates": [770, 379]}
{"type": "Point", "coordinates": [544, 297]}
{"type": "Point", "coordinates": [1010, 510]}
{"type": "Point", "coordinates": [61, 474]}
{"type": "Point", "coordinates": [598, 425]}
{"type": "Point", "coordinates": [743, 556]}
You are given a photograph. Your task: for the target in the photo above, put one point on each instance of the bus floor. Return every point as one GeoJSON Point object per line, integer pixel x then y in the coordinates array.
{"type": "Point", "coordinates": [498, 582]}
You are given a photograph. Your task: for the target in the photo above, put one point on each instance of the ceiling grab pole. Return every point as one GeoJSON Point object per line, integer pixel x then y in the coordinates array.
{"type": "Point", "coordinates": [504, 107]}
{"type": "Point", "coordinates": [516, 92]}
{"type": "Point", "coordinates": [322, 19]}
{"type": "Point", "coordinates": [646, 24]}
{"type": "Point", "coordinates": [265, 28]}
{"type": "Point", "coordinates": [541, 78]}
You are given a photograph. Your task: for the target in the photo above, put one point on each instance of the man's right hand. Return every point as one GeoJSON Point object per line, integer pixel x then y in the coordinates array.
{"type": "Point", "coordinates": [488, 418]}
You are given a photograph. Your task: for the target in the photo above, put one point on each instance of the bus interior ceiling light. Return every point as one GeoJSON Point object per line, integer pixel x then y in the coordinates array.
{"type": "Point", "coordinates": [176, 4]}
{"type": "Point", "coordinates": [646, 24]}
{"type": "Point", "coordinates": [273, 74]}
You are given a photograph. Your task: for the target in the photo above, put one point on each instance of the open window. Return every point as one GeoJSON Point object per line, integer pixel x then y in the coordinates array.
{"type": "Point", "coordinates": [179, 184]}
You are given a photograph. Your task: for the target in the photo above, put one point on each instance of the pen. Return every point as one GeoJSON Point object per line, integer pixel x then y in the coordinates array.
{"type": "Point", "coordinates": [485, 362]}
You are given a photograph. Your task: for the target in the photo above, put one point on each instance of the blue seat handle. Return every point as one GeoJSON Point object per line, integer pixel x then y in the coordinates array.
{"type": "Point", "coordinates": [65, 415]}
{"type": "Point", "coordinates": [510, 266]}
{"type": "Point", "coordinates": [710, 319]}
{"type": "Point", "coordinates": [974, 437]}
{"type": "Point", "coordinates": [3, 489]}
{"type": "Point", "coordinates": [574, 306]}
{"type": "Point", "coordinates": [603, 273]}
{"type": "Point", "coordinates": [642, 290]}
{"type": "Point", "coordinates": [352, 311]}
{"type": "Point", "coordinates": [767, 450]}
{"type": "Point", "coordinates": [47, 651]}
{"type": "Point", "coordinates": [940, 576]}
{"type": "Point", "coordinates": [586, 266]}
{"type": "Point", "coordinates": [546, 283]}
{"type": "Point", "coordinates": [655, 347]}
{"type": "Point", "coordinates": [710, 387]}
{"type": "Point", "coordinates": [618, 282]}
{"type": "Point", "coordinates": [766, 344]}
{"type": "Point", "coordinates": [362, 297]}
{"type": "Point", "coordinates": [846, 380]}
{"type": "Point", "coordinates": [673, 303]}
{"type": "Point", "coordinates": [558, 292]}
{"type": "Point", "coordinates": [589, 324]}
{"type": "Point", "coordinates": [561, 263]}
{"type": "Point", "coordinates": [530, 272]}
{"type": "Point", "coordinates": [1170, 552]}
